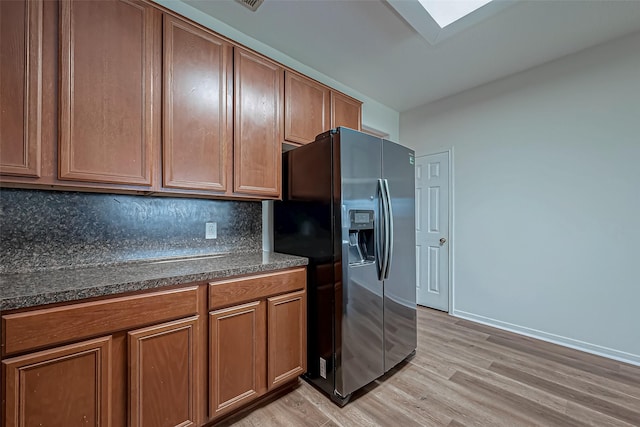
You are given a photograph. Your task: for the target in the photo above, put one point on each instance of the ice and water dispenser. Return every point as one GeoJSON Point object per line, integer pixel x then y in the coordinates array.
{"type": "Point", "coordinates": [361, 237]}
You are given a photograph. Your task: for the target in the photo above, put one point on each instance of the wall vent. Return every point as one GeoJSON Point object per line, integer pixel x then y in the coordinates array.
{"type": "Point", "coordinates": [251, 4]}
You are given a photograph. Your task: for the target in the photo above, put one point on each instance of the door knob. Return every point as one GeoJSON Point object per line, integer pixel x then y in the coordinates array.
{"type": "Point", "coordinates": [443, 240]}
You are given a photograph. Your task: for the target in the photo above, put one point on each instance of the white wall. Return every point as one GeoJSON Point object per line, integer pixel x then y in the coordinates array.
{"type": "Point", "coordinates": [547, 198]}
{"type": "Point", "coordinates": [374, 114]}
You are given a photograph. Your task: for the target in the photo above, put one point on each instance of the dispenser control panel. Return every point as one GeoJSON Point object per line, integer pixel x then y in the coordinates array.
{"type": "Point", "coordinates": [361, 219]}
{"type": "Point", "coordinates": [361, 237]}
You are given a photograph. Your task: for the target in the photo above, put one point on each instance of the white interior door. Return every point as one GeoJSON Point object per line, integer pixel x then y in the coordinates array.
{"type": "Point", "coordinates": [432, 230]}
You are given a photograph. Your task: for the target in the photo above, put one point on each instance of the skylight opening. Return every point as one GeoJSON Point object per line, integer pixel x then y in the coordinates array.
{"type": "Point", "coordinates": [445, 12]}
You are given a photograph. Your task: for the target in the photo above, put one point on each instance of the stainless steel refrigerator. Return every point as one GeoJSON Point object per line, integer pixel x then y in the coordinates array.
{"type": "Point", "coordinates": [349, 206]}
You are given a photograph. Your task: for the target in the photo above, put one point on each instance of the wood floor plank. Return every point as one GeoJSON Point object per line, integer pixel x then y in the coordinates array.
{"type": "Point", "coordinates": [615, 392]}
{"type": "Point", "coordinates": [448, 332]}
{"type": "Point", "coordinates": [582, 414]}
{"type": "Point", "coordinates": [434, 365]}
{"type": "Point", "coordinates": [594, 418]}
{"type": "Point", "coordinates": [458, 402]}
{"type": "Point", "coordinates": [631, 371]}
{"type": "Point", "coordinates": [624, 394]}
{"type": "Point", "coordinates": [525, 391]}
{"type": "Point", "coordinates": [530, 411]}
{"type": "Point", "coordinates": [400, 389]}
{"type": "Point", "coordinates": [544, 347]}
{"type": "Point", "coordinates": [350, 415]}
{"type": "Point", "coordinates": [601, 369]}
{"type": "Point", "coordinates": [455, 354]}
{"type": "Point", "coordinates": [577, 396]}
{"type": "Point", "coordinates": [291, 409]}
{"type": "Point", "coordinates": [466, 374]}
{"type": "Point", "coordinates": [449, 325]}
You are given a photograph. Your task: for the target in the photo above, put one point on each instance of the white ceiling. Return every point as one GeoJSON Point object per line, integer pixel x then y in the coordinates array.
{"type": "Point", "coordinates": [368, 46]}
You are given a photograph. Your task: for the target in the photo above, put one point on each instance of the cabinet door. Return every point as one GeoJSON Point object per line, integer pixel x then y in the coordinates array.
{"type": "Point", "coordinates": [287, 343]}
{"type": "Point", "coordinates": [198, 115]}
{"type": "Point", "coordinates": [107, 110]}
{"type": "Point", "coordinates": [345, 111]}
{"type": "Point", "coordinates": [64, 386]}
{"type": "Point", "coordinates": [306, 108]}
{"type": "Point", "coordinates": [20, 87]}
{"type": "Point", "coordinates": [162, 375]}
{"type": "Point", "coordinates": [258, 94]}
{"type": "Point", "coordinates": [237, 349]}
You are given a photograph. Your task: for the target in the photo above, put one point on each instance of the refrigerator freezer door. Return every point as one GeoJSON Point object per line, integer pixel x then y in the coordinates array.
{"type": "Point", "coordinates": [359, 330]}
{"type": "Point", "coordinates": [400, 286]}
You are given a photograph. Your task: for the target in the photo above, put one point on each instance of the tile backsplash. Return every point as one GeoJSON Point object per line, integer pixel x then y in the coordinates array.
{"type": "Point", "coordinates": [42, 230]}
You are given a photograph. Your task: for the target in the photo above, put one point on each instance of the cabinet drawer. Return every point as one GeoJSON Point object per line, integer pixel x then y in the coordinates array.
{"type": "Point", "coordinates": [255, 287]}
{"type": "Point", "coordinates": [49, 326]}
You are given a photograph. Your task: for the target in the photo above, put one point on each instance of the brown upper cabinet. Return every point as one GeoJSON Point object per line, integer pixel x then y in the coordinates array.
{"type": "Point", "coordinates": [258, 95]}
{"type": "Point", "coordinates": [20, 87]}
{"type": "Point", "coordinates": [108, 111]}
{"type": "Point", "coordinates": [307, 106]}
{"type": "Point", "coordinates": [124, 96]}
{"type": "Point", "coordinates": [345, 111]}
{"type": "Point", "coordinates": [198, 108]}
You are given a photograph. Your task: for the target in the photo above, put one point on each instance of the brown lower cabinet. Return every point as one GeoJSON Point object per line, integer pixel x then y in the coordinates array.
{"type": "Point", "coordinates": [62, 386]}
{"type": "Point", "coordinates": [155, 359]}
{"type": "Point", "coordinates": [258, 337]}
{"type": "Point", "coordinates": [162, 374]}
{"type": "Point", "coordinates": [238, 338]}
{"type": "Point", "coordinates": [287, 343]}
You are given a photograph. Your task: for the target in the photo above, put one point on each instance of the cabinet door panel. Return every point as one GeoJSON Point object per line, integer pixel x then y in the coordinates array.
{"type": "Point", "coordinates": [163, 375]}
{"type": "Point", "coordinates": [307, 106]}
{"type": "Point", "coordinates": [258, 94]}
{"type": "Point", "coordinates": [63, 386]}
{"type": "Point", "coordinates": [198, 120]}
{"type": "Point", "coordinates": [20, 87]}
{"type": "Point", "coordinates": [345, 111]}
{"type": "Point", "coordinates": [237, 348]}
{"type": "Point", "coordinates": [287, 343]}
{"type": "Point", "coordinates": [106, 91]}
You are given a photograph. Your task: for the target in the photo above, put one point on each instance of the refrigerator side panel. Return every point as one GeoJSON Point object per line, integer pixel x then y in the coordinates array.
{"type": "Point", "coordinates": [303, 219]}
{"type": "Point", "coordinates": [360, 355]}
{"type": "Point", "coordinates": [400, 286]}
{"type": "Point", "coordinates": [303, 225]}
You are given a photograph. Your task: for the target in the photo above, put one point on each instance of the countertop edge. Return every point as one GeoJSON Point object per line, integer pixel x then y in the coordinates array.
{"type": "Point", "coordinates": [125, 286]}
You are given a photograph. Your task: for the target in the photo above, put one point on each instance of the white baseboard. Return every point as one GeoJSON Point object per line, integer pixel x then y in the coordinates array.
{"type": "Point", "coordinates": [610, 353]}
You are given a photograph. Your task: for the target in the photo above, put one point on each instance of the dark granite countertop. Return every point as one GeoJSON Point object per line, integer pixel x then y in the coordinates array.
{"type": "Point", "coordinates": [53, 286]}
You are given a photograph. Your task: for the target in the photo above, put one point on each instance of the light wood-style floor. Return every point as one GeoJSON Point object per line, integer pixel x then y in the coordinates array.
{"type": "Point", "coordinates": [467, 374]}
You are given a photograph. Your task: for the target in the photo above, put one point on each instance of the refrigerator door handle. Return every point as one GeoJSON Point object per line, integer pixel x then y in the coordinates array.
{"type": "Point", "coordinates": [389, 226]}
{"type": "Point", "coordinates": [380, 232]}
{"type": "Point", "coordinates": [386, 236]}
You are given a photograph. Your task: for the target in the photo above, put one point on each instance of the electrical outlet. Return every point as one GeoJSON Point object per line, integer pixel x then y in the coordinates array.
{"type": "Point", "coordinates": [211, 230]}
